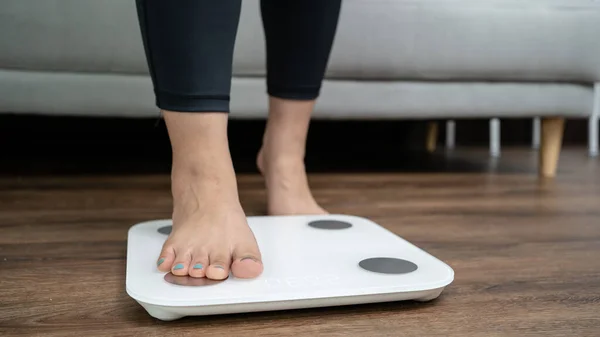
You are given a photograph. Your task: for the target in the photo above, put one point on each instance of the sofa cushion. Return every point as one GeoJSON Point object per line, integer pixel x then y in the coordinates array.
{"type": "Point", "coordinates": [84, 94]}
{"type": "Point", "coordinates": [545, 40]}
{"type": "Point", "coordinates": [553, 40]}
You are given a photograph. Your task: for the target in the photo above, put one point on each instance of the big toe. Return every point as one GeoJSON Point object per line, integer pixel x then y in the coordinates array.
{"type": "Point", "coordinates": [247, 264]}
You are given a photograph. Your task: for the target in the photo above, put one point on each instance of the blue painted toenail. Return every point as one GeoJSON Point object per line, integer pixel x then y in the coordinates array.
{"type": "Point", "coordinates": [160, 262]}
{"type": "Point", "coordinates": [178, 266]}
{"type": "Point", "coordinates": [198, 266]}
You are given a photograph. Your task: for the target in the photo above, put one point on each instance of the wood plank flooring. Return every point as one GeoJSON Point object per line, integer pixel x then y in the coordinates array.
{"type": "Point", "coordinates": [526, 252]}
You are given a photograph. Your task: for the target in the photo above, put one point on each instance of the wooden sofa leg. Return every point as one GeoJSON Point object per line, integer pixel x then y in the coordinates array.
{"type": "Point", "coordinates": [551, 142]}
{"type": "Point", "coordinates": [432, 136]}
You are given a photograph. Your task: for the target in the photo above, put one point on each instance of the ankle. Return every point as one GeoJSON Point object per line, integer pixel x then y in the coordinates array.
{"type": "Point", "coordinates": [203, 179]}
{"type": "Point", "coordinates": [206, 170]}
{"type": "Point", "coordinates": [279, 160]}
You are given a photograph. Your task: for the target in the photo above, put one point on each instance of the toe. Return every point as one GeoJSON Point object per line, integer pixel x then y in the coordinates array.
{"type": "Point", "coordinates": [166, 258]}
{"type": "Point", "coordinates": [247, 263]}
{"type": "Point", "coordinates": [219, 267]}
{"type": "Point", "coordinates": [182, 263]}
{"type": "Point", "coordinates": [198, 265]}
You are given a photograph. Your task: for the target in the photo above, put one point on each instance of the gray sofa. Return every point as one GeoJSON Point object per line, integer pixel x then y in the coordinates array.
{"type": "Point", "coordinates": [396, 59]}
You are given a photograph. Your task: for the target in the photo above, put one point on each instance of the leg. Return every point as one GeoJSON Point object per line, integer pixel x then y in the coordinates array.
{"type": "Point", "coordinates": [495, 137]}
{"type": "Point", "coordinates": [189, 48]}
{"type": "Point", "coordinates": [535, 138]}
{"type": "Point", "coordinates": [593, 123]}
{"type": "Point", "coordinates": [450, 134]}
{"type": "Point", "coordinates": [432, 136]}
{"type": "Point", "coordinates": [299, 38]}
{"type": "Point", "coordinates": [593, 136]}
{"type": "Point", "coordinates": [552, 132]}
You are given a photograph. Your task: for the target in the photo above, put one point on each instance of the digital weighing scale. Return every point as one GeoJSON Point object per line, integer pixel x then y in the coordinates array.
{"type": "Point", "coordinates": [309, 261]}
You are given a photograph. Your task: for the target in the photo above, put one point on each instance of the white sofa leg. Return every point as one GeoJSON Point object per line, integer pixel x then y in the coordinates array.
{"type": "Point", "coordinates": [450, 134]}
{"type": "Point", "coordinates": [593, 123]}
{"type": "Point", "coordinates": [495, 137]}
{"type": "Point", "coordinates": [535, 133]}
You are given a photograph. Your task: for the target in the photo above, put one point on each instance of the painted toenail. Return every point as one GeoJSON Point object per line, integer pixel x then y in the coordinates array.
{"type": "Point", "coordinates": [198, 266]}
{"type": "Point", "coordinates": [160, 262]}
{"type": "Point", "coordinates": [249, 258]}
{"type": "Point", "coordinates": [178, 266]}
{"type": "Point", "coordinates": [220, 267]}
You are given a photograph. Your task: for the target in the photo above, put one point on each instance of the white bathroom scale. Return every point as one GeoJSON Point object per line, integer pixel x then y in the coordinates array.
{"type": "Point", "coordinates": [309, 261]}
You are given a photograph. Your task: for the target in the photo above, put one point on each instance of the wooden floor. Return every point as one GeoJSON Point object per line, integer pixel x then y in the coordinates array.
{"type": "Point", "coordinates": [526, 252]}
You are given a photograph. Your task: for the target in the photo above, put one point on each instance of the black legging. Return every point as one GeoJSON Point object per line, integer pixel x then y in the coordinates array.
{"type": "Point", "coordinates": [189, 49]}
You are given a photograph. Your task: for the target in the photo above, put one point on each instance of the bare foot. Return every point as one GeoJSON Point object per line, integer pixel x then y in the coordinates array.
{"type": "Point", "coordinates": [287, 186]}
{"type": "Point", "coordinates": [210, 235]}
{"type": "Point", "coordinates": [281, 158]}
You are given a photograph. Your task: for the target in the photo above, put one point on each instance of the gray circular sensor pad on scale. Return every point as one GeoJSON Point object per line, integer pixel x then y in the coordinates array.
{"type": "Point", "coordinates": [387, 265]}
{"type": "Point", "coordinates": [166, 230]}
{"type": "Point", "coordinates": [329, 224]}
